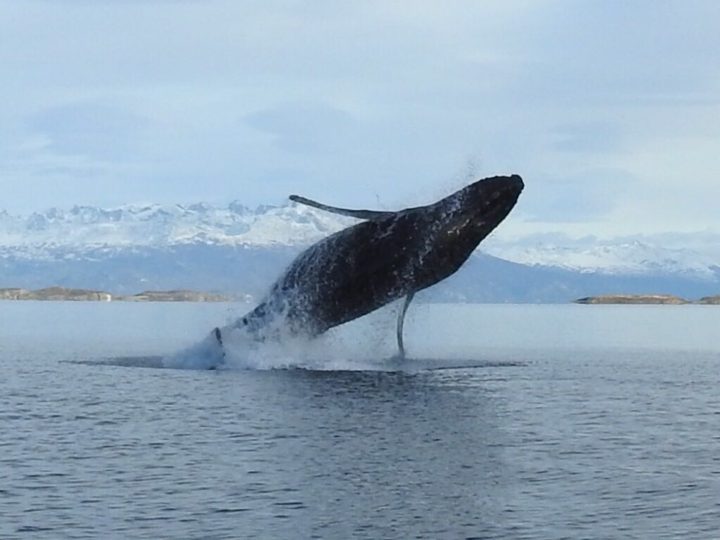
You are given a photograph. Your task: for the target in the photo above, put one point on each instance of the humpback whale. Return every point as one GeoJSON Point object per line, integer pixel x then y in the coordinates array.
{"type": "Point", "coordinates": [385, 257]}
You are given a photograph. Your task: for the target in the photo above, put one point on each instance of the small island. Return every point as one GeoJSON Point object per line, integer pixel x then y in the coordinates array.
{"type": "Point", "coordinates": [656, 299]}
{"type": "Point", "coordinates": [181, 295]}
{"type": "Point", "coordinates": [632, 299]}
{"type": "Point", "coordinates": [87, 295]}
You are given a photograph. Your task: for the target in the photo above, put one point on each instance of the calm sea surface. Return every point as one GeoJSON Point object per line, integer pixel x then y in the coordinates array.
{"type": "Point", "coordinates": [507, 422]}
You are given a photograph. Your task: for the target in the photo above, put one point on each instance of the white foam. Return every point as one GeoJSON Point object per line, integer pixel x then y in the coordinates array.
{"type": "Point", "coordinates": [365, 344]}
{"type": "Point", "coordinates": [206, 354]}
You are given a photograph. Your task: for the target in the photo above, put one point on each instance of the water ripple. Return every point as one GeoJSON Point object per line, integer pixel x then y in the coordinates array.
{"type": "Point", "coordinates": [532, 442]}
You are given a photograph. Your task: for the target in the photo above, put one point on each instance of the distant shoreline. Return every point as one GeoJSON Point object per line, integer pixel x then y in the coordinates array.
{"type": "Point", "coordinates": [64, 294]}
{"type": "Point", "coordinates": [647, 299]}
{"type": "Point", "coordinates": [60, 294]}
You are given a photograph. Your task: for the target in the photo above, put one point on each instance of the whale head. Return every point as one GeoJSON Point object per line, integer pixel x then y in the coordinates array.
{"type": "Point", "coordinates": [481, 206]}
{"type": "Point", "coordinates": [460, 221]}
{"type": "Point", "coordinates": [470, 214]}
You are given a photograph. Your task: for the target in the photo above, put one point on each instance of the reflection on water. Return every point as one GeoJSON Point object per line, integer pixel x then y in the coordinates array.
{"type": "Point", "coordinates": [555, 421]}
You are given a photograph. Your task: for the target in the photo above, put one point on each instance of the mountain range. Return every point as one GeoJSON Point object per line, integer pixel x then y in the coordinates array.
{"type": "Point", "coordinates": [240, 250]}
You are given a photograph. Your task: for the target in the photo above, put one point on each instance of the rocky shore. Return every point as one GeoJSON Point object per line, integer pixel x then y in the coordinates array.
{"type": "Point", "coordinates": [184, 295]}
{"type": "Point", "coordinates": [174, 296]}
{"type": "Point", "coordinates": [646, 299]}
{"type": "Point", "coordinates": [84, 295]}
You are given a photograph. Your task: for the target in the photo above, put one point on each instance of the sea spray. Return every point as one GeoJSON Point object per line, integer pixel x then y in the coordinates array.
{"type": "Point", "coordinates": [206, 354]}
{"type": "Point", "coordinates": [364, 344]}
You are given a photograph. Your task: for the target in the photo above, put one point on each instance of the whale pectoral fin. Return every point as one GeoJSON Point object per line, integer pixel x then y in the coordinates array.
{"type": "Point", "coordinates": [218, 335]}
{"type": "Point", "coordinates": [360, 214]}
{"type": "Point", "coordinates": [401, 324]}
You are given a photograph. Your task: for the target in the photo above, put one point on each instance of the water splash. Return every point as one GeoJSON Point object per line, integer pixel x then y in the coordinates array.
{"type": "Point", "coordinates": [206, 354]}
{"type": "Point", "coordinates": [359, 345]}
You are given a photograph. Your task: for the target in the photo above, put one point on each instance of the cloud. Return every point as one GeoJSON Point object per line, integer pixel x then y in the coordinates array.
{"type": "Point", "coordinates": [588, 137]}
{"type": "Point", "coordinates": [627, 53]}
{"type": "Point", "coordinates": [95, 130]}
{"type": "Point", "coordinates": [593, 102]}
{"type": "Point", "coordinates": [586, 195]}
{"type": "Point", "coordinates": [307, 127]}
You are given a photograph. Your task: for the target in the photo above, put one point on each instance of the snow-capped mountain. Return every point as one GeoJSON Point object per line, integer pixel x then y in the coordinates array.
{"type": "Point", "coordinates": [695, 255]}
{"type": "Point", "coordinates": [83, 227]}
{"type": "Point", "coordinates": [70, 232]}
{"type": "Point", "coordinates": [241, 250]}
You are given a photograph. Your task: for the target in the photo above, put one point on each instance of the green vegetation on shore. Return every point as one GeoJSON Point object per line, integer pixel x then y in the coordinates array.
{"type": "Point", "coordinates": [85, 295]}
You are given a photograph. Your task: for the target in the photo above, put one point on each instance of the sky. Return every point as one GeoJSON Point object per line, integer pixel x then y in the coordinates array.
{"type": "Point", "coordinates": [610, 110]}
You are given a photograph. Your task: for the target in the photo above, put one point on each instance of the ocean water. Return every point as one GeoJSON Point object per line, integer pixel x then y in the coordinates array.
{"type": "Point", "coordinates": [507, 421]}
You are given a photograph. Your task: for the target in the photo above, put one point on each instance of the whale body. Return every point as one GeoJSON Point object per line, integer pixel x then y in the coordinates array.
{"type": "Point", "coordinates": [385, 257]}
